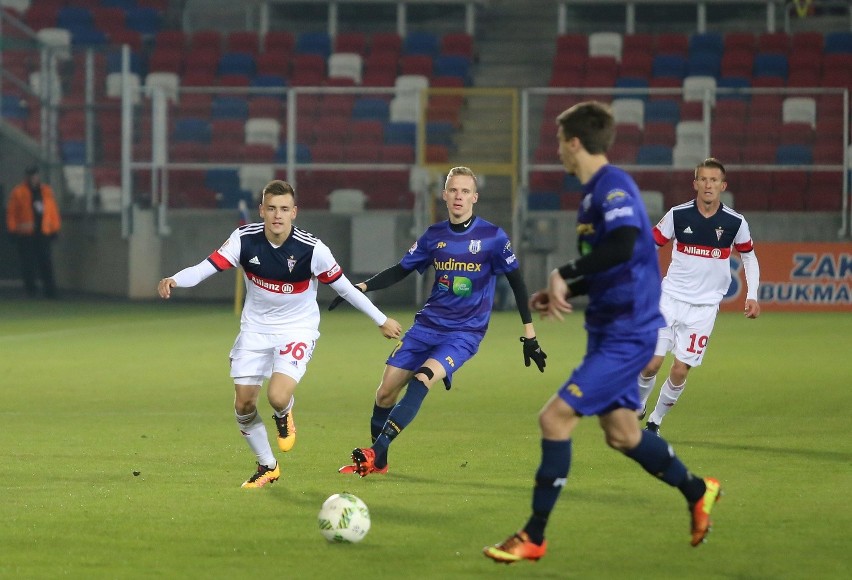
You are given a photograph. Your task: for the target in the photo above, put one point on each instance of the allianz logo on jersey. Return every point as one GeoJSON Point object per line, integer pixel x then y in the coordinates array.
{"type": "Point", "coordinates": [280, 287]}
{"type": "Point", "coordinates": [701, 251]}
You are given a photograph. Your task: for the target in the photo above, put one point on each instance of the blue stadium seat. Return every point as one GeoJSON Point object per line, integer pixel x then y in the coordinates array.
{"type": "Point", "coordinates": [74, 152]}
{"type": "Point", "coordinates": [272, 81]}
{"type": "Point", "coordinates": [303, 153]}
{"type": "Point", "coordinates": [87, 37]}
{"type": "Point", "coordinates": [421, 42]}
{"type": "Point", "coordinates": [145, 21]}
{"type": "Point", "coordinates": [654, 155]}
{"type": "Point", "coordinates": [400, 133]}
{"type": "Point", "coordinates": [314, 43]}
{"type": "Point", "coordinates": [733, 83]}
{"type": "Point", "coordinates": [669, 65]}
{"type": "Point", "coordinates": [794, 155]}
{"type": "Point", "coordinates": [838, 42]}
{"type": "Point", "coordinates": [706, 42]}
{"type": "Point", "coordinates": [704, 63]}
{"type": "Point", "coordinates": [453, 66]}
{"type": "Point", "coordinates": [14, 107]}
{"type": "Point", "coordinates": [192, 129]}
{"type": "Point", "coordinates": [123, 4]}
{"type": "Point", "coordinates": [663, 110]}
{"type": "Point", "coordinates": [771, 65]}
{"type": "Point", "coordinates": [631, 83]}
{"type": "Point", "coordinates": [366, 108]}
{"type": "Point", "coordinates": [72, 17]}
{"type": "Point", "coordinates": [222, 180]}
{"type": "Point", "coordinates": [236, 63]}
{"type": "Point", "coordinates": [114, 63]}
{"type": "Point", "coordinates": [229, 108]}
{"type": "Point", "coordinates": [440, 133]}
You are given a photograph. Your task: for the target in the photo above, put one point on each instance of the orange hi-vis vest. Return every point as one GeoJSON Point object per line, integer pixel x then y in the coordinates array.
{"type": "Point", "coordinates": [19, 213]}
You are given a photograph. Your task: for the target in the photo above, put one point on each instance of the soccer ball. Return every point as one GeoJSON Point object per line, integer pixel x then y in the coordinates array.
{"type": "Point", "coordinates": [344, 519]}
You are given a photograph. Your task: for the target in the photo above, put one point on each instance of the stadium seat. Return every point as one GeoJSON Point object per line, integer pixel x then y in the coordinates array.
{"type": "Point", "coordinates": [452, 66]}
{"type": "Point", "coordinates": [654, 203]}
{"type": "Point", "coordinates": [737, 63]}
{"type": "Point", "coordinates": [789, 190]}
{"type": "Point", "coordinates": [264, 131]}
{"type": "Point", "coordinates": [704, 63]}
{"type": "Point", "coordinates": [229, 108]}
{"type": "Point", "coordinates": [572, 43]}
{"type": "Point", "coordinates": [191, 129]}
{"type": "Point", "coordinates": [773, 43]}
{"type": "Point", "coordinates": [387, 43]}
{"type": "Point", "coordinates": [662, 110]}
{"type": "Point", "coordinates": [58, 40]}
{"type": "Point", "coordinates": [401, 133]}
{"type": "Point", "coordinates": [799, 110]}
{"type": "Point", "coordinates": [145, 21]}
{"type": "Point", "coordinates": [631, 83]}
{"type": "Point", "coordinates": [770, 65]}
{"type": "Point", "coordinates": [371, 108]}
{"type": "Point", "coordinates": [457, 44]}
{"type": "Point", "coordinates": [794, 155]}
{"type": "Point", "coordinates": [838, 42]}
{"type": "Point", "coordinates": [346, 65]}
{"type": "Point", "coordinates": [636, 64]}
{"type": "Point", "coordinates": [825, 191]}
{"type": "Point", "coordinates": [347, 201]}
{"type": "Point", "coordinates": [629, 111]}
{"type": "Point", "coordinates": [706, 42]}
{"type": "Point", "coordinates": [168, 83]}
{"type": "Point", "coordinates": [739, 41]}
{"type": "Point", "coordinates": [688, 155]}
{"type": "Point", "coordinates": [809, 40]}
{"type": "Point", "coordinates": [236, 63]}
{"type": "Point", "coordinates": [352, 42]}
{"type": "Point", "coordinates": [608, 44]}
{"type": "Point", "coordinates": [416, 64]}
{"type": "Point", "coordinates": [312, 42]}
{"type": "Point", "coordinates": [243, 41]}
{"type": "Point", "coordinates": [637, 43]}
{"type": "Point", "coordinates": [696, 88]}
{"type": "Point", "coordinates": [654, 155]}
{"type": "Point", "coordinates": [421, 42]}
{"type": "Point", "coordinates": [673, 43]}
{"type": "Point", "coordinates": [669, 65]}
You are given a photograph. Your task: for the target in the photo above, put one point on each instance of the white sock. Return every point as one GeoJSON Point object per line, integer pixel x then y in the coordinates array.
{"type": "Point", "coordinates": [669, 394]}
{"type": "Point", "coordinates": [645, 388]}
{"type": "Point", "coordinates": [286, 409]}
{"type": "Point", "coordinates": [254, 432]}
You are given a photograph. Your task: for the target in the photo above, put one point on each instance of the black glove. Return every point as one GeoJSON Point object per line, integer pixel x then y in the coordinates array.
{"type": "Point", "coordinates": [336, 302]}
{"type": "Point", "coordinates": [533, 351]}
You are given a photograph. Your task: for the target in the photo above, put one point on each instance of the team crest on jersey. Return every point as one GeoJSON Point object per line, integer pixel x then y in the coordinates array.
{"type": "Point", "coordinates": [444, 283]}
{"type": "Point", "coordinates": [508, 246]}
{"type": "Point", "coordinates": [413, 248]}
{"type": "Point", "coordinates": [719, 232]}
{"type": "Point", "coordinates": [475, 246]}
{"type": "Point", "coordinates": [291, 263]}
{"type": "Point", "coordinates": [441, 245]}
{"type": "Point", "coordinates": [587, 202]}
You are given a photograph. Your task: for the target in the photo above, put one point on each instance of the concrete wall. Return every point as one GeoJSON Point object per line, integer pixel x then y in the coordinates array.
{"type": "Point", "coordinates": [92, 257]}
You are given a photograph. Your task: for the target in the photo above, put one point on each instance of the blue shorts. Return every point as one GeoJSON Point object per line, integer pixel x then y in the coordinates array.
{"type": "Point", "coordinates": [451, 349]}
{"type": "Point", "coordinates": [607, 378]}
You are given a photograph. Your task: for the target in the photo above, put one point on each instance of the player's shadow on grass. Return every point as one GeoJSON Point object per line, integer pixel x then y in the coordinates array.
{"type": "Point", "coordinates": [833, 456]}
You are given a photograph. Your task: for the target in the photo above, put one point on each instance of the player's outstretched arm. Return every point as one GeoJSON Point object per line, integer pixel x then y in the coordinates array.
{"type": "Point", "coordinates": [186, 278]}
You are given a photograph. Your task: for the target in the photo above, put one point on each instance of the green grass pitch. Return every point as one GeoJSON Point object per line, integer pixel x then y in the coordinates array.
{"type": "Point", "coordinates": [95, 392]}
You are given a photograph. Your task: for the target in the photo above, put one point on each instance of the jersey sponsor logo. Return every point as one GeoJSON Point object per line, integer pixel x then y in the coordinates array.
{"type": "Point", "coordinates": [334, 270]}
{"type": "Point", "coordinates": [704, 251]}
{"type": "Point", "coordinates": [462, 286]}
{"type": "Point", "coordinates": [585, 229]}
{"type": "Point", "coordinates": [441, 245]}
{"type": "Point", "coordinates": [618, 212]}
{"type": "Point", "coordinates": [453, 265]}
{"type": "Point", "coordinates": [616, 195]}
{"type": "Point", "coordinates": [508, 246]}
{"type": "Point", "coordinates": [444, 283]}
{"type": "Point", "coordinates": [256, 262]}
{"type": "Point", "coordinates": [474, 246]}
{"type": "Point", "coordinates": [687, 230]}
{"type": "Point", "coordinates": [276, 286]}
{"type": "Point", "coordinates": [511, 259]}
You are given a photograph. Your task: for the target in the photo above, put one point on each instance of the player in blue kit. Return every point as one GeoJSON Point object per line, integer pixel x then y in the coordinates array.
{"type": "Point", "coordinates": [618, 269]}
{"type": "Point", "coordinates": [467, 253]}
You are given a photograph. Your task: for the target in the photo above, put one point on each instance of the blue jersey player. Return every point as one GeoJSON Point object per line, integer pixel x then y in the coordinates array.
{"type": "Point", "coordinates": [467, 253]}
{"type": "Point", "coordinates": [618, 269]}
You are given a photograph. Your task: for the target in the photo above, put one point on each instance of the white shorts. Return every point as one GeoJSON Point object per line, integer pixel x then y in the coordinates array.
{"type": "Point", "coordinates": [256, 356]}
{"type": "Point", "coordinates": [687, 330]}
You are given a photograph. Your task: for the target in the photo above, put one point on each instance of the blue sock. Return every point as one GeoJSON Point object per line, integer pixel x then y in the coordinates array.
{"type": "Point", "coordinates": [549, 480]}
{"type": "Point", "coordinates": [377, 421]}
{"type": "Point", "coordinates": [399, 417]}
{"type": "Point", "coordinates": [658, 458]}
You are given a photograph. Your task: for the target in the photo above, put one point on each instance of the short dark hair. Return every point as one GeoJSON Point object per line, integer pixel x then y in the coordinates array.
{"type": "Point", "coordinates": [279, 187]}
{"type": "Point", "coordinates": [592, 122]}
{"type": "Point", "coordinates": [711, 163]}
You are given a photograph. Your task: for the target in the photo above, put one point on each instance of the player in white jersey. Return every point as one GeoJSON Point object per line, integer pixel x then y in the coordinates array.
{"type": "Point", "coordinates": [279, 327]}
{"type": "Point", "coordinates": [704, 232]}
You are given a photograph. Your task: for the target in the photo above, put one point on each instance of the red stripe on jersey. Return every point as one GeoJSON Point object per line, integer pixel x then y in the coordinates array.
{"type": "Point", "coordinates": [659, 238]}
{"type": "Point", "coordinates": [330, 276]}
{"type": "Point", "coordinates": [219, 261]}
{"type": "Point", "coordinates": [746, 247]}
{"type": "Point", "coordinates": [704, 251]}
{"type": "Point", "coordinates": [277, 286]}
